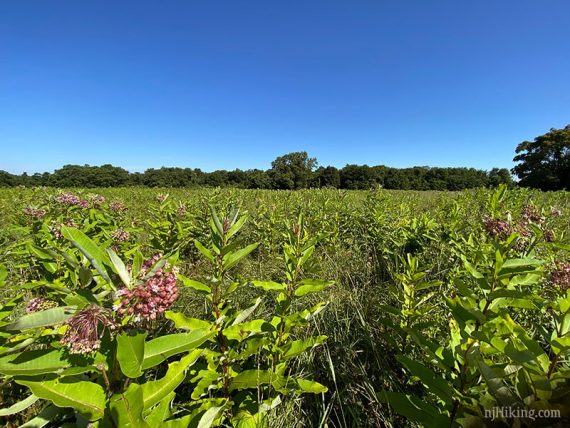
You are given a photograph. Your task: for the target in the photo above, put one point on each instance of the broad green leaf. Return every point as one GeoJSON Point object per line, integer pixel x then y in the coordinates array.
{"type": "Point", "coordinates": [525, 279]}
{"type": "Point", "coordinates": [7, 308]}
{"type": "Point", "coordinates": [130, 353]}
{"type": "Point", "coordinates": [30, 363]}
{"type": "Point", "coordinates": [414, 408]}
{"type": "Point", "coordinates": [243, 315]}
{"type": "Point", "coordinates": [560, 344]}
{"type": "Point", "coordinates": [120, 268]}
{"type": "Point", "coordinates": [311, 386]}
{"type": "Point", "coordinates": [252, 379]}
{"type": "Point", "coordinates": [519, 266]}
{"type": "Point", "coordinates": [46, 416]}
{"type": "Point", "coordinates": [296, 347]}
{"type": "Point", "coordinates": [85, 276]}
{"type": "Point", "coordinates": [205, 379]}
{"type": "Point", "coordinates": [306, 255]}
{"type": "Point", "coordinates": [15, 346]}
{"type": "Point", "coordinates": [159, 349]}
{"type": "Point", "coordinates": [311, 286]}
{"type": "Point", "coordinates": [237, 226]}
{"type": "Point", "coordinates": [161, 411]}
{"type": "Point", "coordinates": [269, 285]}
{"type": "Point", "coordinates": [516, 294]}
{"type": "Point", "coordinates": [19, 406]}
{"type": "Point", "coordinates": [45, 318]}
{"type": "Point", "coordinates": [196, 285]}
{"type": "Point", "coordinates": [245, 330]}
{"type": "Point", "coordinates": [185, 323]}
{"type": "Point", "coordinates": [231, 259]}
{"type": "Point", "coordinates": [127, 408]}
{"type": "Point", "coordinates": [154, 391]}
{"type": "Point", "coordinates": [244, 419]}
{"type": "Point", "coordinates": [436, 384]}
{"type": "Point", "coordinates": [87, 398]}
{"type": "Point", "coordinates": [3, 274]}
{"type": "Point", "coordinates": [207, 253]}
{"type": "Point", "coordinates": [216, 221]}
{"type": "Point", "coordinates": [137, 264]}
{"type": "Point", "coordinates": [183, 422]}
{"type": "Point", "coordinates": [496, 385]}
{"type": "Point", "coordinates": [90, 249]}
{"type": "Point", "coordinates": [209, 417]}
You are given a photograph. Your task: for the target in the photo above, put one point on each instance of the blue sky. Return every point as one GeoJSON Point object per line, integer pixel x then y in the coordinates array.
{"type": "Point", "coordinates": [233, 84]}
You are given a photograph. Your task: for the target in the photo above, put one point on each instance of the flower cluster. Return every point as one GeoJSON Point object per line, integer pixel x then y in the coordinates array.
{"type": "Point", "coordinates": [161, 197]}
{"type": "Point", "coordinates": [85, 329]}
{"type": "Point", "coordinates": [532, 214]}
{"type": "Point", "coordinates": [117, 206]}
{"type": "Point", "coordinates": [181, 210]}
{"type": "Point", "coordinates": [97, 199]}
{"type": "Point", "coordinates": [560, 276]}
{"type": "Point", "coordinates": [554, 212]}
{"type": "Point", "coordinates": [67, 199]}
{"type": "Point", "coordinates": [35, 212]}
{"type": "Point", "coordinates": [150, 299]}
{"type": "Point", "coordinates": [120, 235]}
{"type": "Point", "coordinates": [549, 235]}
{"type": "Point", "coordinates": [38, 304]}
{"type": "Point", "coordinates": [57, 229]}
{"type": "Point", "coordinates": [496, 228]}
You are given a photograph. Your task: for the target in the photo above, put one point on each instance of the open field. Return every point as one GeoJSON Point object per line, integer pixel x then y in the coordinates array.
{"type": "Point", "coordinates": [304, 308]}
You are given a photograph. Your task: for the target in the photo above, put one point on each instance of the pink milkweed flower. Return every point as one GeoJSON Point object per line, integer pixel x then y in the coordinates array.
{"type": "Point", "coordinates": [150, 299]}
{"type": "Point", "coordinates": [36, 213]}
{"type": "Point", "coordinates": [85, 329]}
{"type": "Point", "coordinates": [496, 228]}
{"type": "Point", "coordinates": [560, 276]}
{"type": "Point", "coordinates": [120, 235]}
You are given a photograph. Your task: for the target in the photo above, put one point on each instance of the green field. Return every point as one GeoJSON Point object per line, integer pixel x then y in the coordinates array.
{"type": "Point", "coordinates": [283, 308]}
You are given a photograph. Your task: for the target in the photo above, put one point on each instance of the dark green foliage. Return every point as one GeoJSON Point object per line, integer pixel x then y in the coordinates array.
{"type": "Point", "coordinates": [545, 162]}
{"type": "Point", "coordinates": [7, 179]}
{"type": "Point", "coordinates": [326, 177]}
{"type": "Point", "coordinates": [292, 171]}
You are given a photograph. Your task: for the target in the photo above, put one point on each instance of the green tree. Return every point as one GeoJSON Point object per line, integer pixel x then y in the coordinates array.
{"type": "Point", "coordinates": [6, 179]}
{"type": "Point", "coordinates": [327, 177]}
{"type": "Point", "coordinates": [545, 162]}
{"type": "Point", "coordinates": [357, 177]}
{"type": "Point", "coordinates": [292, 171]}
{"type": "Point", "coordinates": [499, 176]}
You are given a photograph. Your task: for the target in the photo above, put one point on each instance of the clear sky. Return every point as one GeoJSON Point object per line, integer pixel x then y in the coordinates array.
{"type": "Point", "coordinates": [233, 84]}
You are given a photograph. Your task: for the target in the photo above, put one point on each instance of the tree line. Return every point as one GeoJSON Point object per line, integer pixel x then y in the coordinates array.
{"type": "Point", "coordinates": [292, 171]}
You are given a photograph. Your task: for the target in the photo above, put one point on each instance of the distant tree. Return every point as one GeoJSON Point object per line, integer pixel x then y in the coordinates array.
{"type": "Point", "coordinates": [357, 177]}
{"type": "Point", "coordinates": [237, 178]}
{"type": "Point", "coordinates": [107, 176]}
{"type": "Point", "coordinates": [217, 178]}
{"type": "Point", "coordinates": [70, 176]}
{"type": "Point", "coordinates": [257, 179]}
{"type": "Point", "coordinates": [417, 177]}
{"type": "Point", "coordinates": [292, 171]}
{"type": "Point", "coordinates": [545, 162]}
{"type": "Point", "coordinates": [396, 179]}
{"type": "Point", "coordinates": [327, 177]}
{"type": "Point", "coordinates": [499, 176]}
{"type": "Point", "coordinates": [7, 179]}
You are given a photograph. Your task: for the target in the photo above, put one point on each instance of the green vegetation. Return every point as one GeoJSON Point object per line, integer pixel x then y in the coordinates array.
{"type": "Point", "coordinates": [228, 307]}
{"type": "Point", "coordinates": [292, 171]}
{"type": "Point", "coordinates": [545, 162]}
